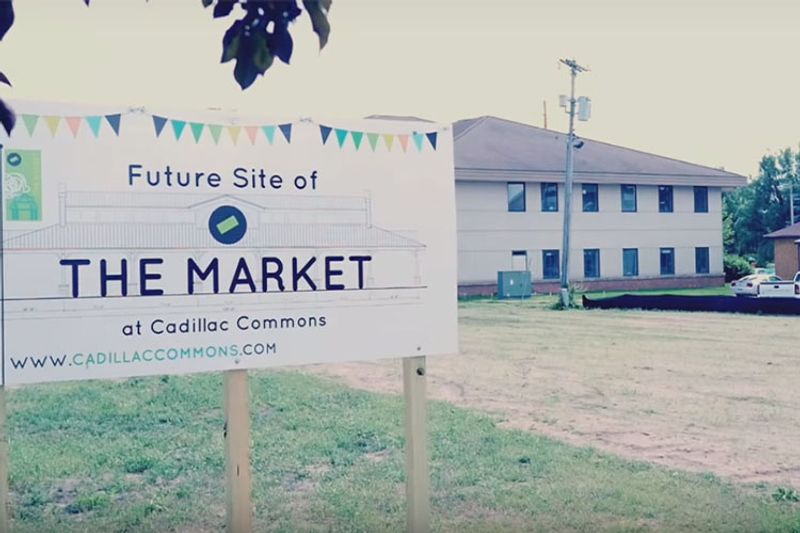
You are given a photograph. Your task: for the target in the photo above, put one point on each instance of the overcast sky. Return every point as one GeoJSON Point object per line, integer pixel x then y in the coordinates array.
{"type": "Point", "coordinates": [709, 81]}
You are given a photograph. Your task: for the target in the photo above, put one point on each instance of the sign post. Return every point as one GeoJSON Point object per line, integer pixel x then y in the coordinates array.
{"type": "Point", "coordinates": [238, 482]}
{"type": "Point", "coordinates": [418, 498]}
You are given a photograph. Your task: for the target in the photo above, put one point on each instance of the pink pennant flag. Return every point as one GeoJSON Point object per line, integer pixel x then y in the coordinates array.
{"type": "Point", "coordinates": [403, 141]}
{"type": "Point", "coordinates": [251, 133]}
{"type": "Point", "coordinates": [74, 124]}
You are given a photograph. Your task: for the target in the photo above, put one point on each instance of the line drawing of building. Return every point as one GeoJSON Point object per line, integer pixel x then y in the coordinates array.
{"type": "Point", "coordinates": [135, 225]}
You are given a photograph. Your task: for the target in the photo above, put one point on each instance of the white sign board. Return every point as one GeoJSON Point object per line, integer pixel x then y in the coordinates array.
{"type": "Point", "coordinates": [138, 242]}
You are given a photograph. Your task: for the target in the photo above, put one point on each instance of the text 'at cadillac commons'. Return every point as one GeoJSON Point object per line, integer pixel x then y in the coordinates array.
{"type": "Point", "coordinates": [269, 274]}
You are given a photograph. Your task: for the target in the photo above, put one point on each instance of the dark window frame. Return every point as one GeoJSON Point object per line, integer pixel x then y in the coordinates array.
{"type": "Point", "coordinates": [523, 253]}
{"type": "Point", "coordinates": [596, 187]}
{"type": "Point", "coordinates": [703, 207]}
{"type": "Point", "coordinates": [550, 273]}
{"type": "Point", "coordinates": [586, 253]}
{"type": "Point", "coordinates": [622, 199]}
{"type": "Point", "coordinates": [699, 268]}
{"type": "Point", "coordinates": [662, 271]}
{"type": "Point", "coordinates": [543, 188]}
{"type": "Point", "coordinates": [663, 206]}
{"type": "Point", "coordinates": [635, 272]}
{"type": "Point", "coordinates": [509, 198]}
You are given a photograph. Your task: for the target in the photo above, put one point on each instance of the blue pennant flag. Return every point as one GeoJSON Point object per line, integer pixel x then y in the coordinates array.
{"type": "Point", "coordinates": [286, 129]}
{"type": "Point", "coordinates": [113, 121]}
{"type": "Point", "coordinates": [432, 138]}
{"type": "Point", "coordinates": [325, 131]}
{"type": "Point", "coordinates": [159, 123]}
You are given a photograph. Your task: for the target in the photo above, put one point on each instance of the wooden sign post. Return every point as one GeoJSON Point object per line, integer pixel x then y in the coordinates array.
{"type": "Point", "coordinates": [418, 492]}
{"type": "Point", "coordinates": [238, 482]}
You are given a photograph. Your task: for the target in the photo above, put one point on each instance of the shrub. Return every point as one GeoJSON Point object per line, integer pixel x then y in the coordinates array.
{"type": "Point", "coordinates": [736, 266]}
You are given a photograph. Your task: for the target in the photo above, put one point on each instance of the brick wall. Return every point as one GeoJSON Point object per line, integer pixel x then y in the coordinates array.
{"type": "Point", "coordinates": [625, 284]}
{"type": "Point", "coordinates": [787, 257]}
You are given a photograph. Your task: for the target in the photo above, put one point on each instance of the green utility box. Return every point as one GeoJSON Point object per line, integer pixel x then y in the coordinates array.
{"type": "Point", "coordinates": [514, 284]}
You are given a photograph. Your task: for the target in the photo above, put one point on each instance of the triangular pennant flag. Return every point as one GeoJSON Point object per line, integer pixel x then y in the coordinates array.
{"type": "Point", "coordinates": [159, 123]}
{"type": "Point", "coordinates": [341, 136]}
{"type": "Point", "coordinates": [74, 124]}
{"type": "Point", "coordinates": [269, 133]}
{"type": "Point", "coordinates": [432, 138]}
{"type": "Point", "coordinates": [373, 140]}
{"type": "Point", "coordinates": [234, 133]}
{"type": "Point", "coordinates": [197, 130]}
{"type": "Point", "coordinates": [357, 136]}
{"type": "Point", "coordinates": [251, 132]}
{"type": "Point", "coordinates": [389, 140]}
{"type": "Point", "coordinates": [403, 141]}
{"type": "Point", "coordinates": [94, 125]}
{"type": "Point", "coordinates": [52, 124]}
{"type": "Point", "coordinates": [113, 121]}
{"type": "Point", "coordinates": [325, 131]}
{"type": "Point", "coordinates": [30, 123]}
{"type": "Point", "coordinates": [418, 140]}
{"type": "Point", "coordinates": [177, 128]}
{"type": "Point", "coordinates": [286, 129]}
{"type": "Point", "coordinates": [215, 130]}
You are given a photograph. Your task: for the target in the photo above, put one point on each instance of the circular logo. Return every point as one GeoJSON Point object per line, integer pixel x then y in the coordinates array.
{"type": "Point", "coordinates": [14, 159]}
{"type": "Point", "coordinates": [227, 224]}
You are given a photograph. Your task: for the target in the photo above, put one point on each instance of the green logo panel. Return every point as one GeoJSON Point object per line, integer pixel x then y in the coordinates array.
{"type": "Point", "coordinates": [22, 185]}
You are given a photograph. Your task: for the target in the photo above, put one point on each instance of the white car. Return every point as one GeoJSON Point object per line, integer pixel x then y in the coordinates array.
{"type": "Point", "coordinates": [748, 285]}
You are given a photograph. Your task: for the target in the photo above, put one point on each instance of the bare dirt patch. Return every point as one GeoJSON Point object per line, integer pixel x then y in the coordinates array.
{"type": "Point", "coordinates": [693, 391]}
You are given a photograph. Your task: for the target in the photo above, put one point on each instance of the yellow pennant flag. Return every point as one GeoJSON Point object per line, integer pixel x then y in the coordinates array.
{"type": "Point", "coordinates": [52, 124]}
{"type": "Point", "coordinates": [389, 140]}
{"type": "Point", "coordinates": [234, 132]}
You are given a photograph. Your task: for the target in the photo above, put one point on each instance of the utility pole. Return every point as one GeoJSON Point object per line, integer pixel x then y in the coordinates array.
{"type": "Point", "coordinates": [574, 68]}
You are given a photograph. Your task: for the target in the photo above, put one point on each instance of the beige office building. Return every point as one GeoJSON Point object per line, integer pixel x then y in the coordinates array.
{"type": "Point", "coordinates": [639, 220]}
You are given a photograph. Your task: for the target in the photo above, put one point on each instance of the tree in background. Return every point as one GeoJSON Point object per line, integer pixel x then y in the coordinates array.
{"type": "Point", "coordinates": [761, 207]}
{"type": "Point", "coordinates": [253, 41]}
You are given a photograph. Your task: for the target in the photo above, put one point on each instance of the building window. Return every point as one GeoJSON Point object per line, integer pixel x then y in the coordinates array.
{"type": "Point", "coordinates": [519, 260]}
{"type": "Point", "coordinates": [628, 198]}
{"type": "Point", "coordinates": [591, 263]}
{"type": "Point", "coordinates": [701, 199]}
{"type": "Point", "coordinates": [516, 197]}
{"type": "Point", "coordinates": [549, 197]}
{"type": "Point", "coordinates": [591, 199]}
{"type": "Point", "coordinates": [667, 261]}
{"type": "Point", "coordinates": [701, 261]}
{"type": "Point", "coordinates": [550, 264]}
{"type": "Point", "coordinates": [630, 262]}
{"type": "Point", "coordinates": [665, 198]}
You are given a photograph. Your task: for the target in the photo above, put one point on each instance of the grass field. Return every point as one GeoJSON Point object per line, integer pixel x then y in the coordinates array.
{"type": "Point", "coordinates": [553, 421]}
{"type": "Point", "coordinates": [146, 455]}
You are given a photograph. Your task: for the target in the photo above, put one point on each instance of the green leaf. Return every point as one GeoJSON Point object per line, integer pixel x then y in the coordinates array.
{"type": "Point", "coordinates": [232, 49]}
{"type": "Point", "coordinates": [262, 56]}
{"type": "Point", "coordinates": [318, 12]}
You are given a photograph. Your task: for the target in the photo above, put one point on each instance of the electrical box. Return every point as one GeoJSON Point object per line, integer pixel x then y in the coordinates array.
{"type": "Point", "coordinates": [514, 284]}
{"type": "Point", "coordinates": [584, 108]}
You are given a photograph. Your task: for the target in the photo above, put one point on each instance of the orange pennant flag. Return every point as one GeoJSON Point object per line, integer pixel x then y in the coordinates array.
{"type": "Point", "coordinates": [74, 124]}
{"type": "Point", "coordinates": [403, 141]}
{"type": "Point", "coordinates": [251, 133]}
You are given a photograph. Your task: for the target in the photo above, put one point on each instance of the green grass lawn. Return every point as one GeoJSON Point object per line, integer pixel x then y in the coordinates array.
{"type": "Point", "coordinates": [147, 455]}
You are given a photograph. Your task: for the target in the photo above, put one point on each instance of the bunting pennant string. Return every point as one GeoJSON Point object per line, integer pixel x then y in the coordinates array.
{"type": "Point", "coordinates": [94, 128]}
{"type": "Point", "coordinates": [421, 140]}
